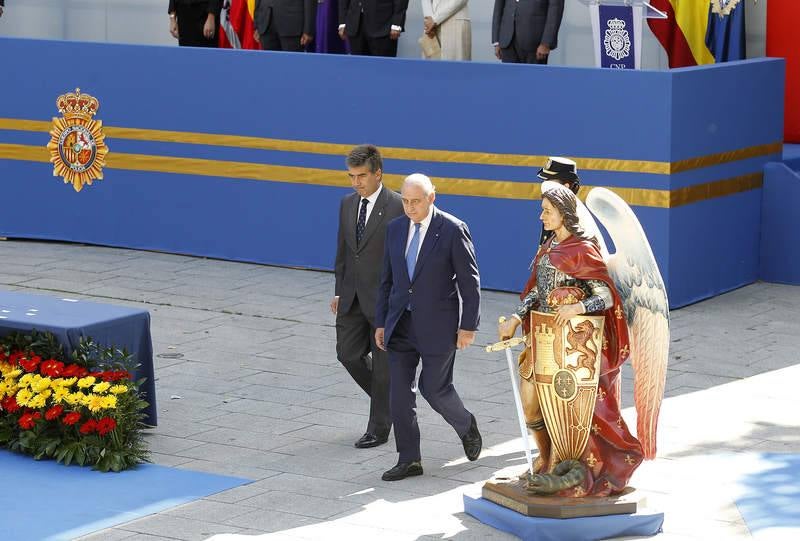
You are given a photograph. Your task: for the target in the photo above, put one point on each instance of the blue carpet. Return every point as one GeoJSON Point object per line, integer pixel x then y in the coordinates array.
{"type": "Point", "coordinates": [49, 501]}
{"type": "Point", "coordinates": [569, 529]}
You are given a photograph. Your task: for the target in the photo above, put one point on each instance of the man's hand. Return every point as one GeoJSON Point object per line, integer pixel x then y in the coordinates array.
{"type": "Point", "coordinates": [209, 27]}
{"type": "Point", "coordinates": [306, 39]}
{"type": "Point", "coordinates": [379, 338]}
{"type": "Point", "coordinates": [335, 305]}
{"type": "Point", "coordinates": [497, 52]}
{"type": "Point", "coordinates": [429, 26]}
{"type": "Point", "coordinates": [1, 11]}
{"type": "Point", "coordinates": [465, 339]}
{"type": "Point", "coordinates": [394, 34]}
{"type": "Point", "coordinates": [567, 311]}
{"type": "Point", "coordinates": [542, 51]}
{"type": "Point", "coordinates": [173, 26]}
{"type": "Point", "coordinates": [508, 328]}
{"type": "Point", "coordinates": [257, 36]}
{"type": "Point", "coordinates": [342, 34]}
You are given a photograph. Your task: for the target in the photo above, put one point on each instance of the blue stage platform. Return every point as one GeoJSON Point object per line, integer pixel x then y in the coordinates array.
{"type": "Point", "coordinates": [240, 154]}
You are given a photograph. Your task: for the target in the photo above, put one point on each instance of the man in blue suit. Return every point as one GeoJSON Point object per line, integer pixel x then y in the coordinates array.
{"type": "Point", "coordinates": [428, 267]}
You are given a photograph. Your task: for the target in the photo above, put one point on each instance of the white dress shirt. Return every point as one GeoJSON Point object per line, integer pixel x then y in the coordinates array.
{"type": "Point", "coordinates": [371, 205]}
{"type": "Point", "coordinates": [423, 228]}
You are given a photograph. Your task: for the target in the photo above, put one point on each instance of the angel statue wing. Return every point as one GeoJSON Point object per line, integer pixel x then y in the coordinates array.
{"type": "Point", "coordinates": [644, 300]}
{"type": "Point", "coordinates": [585, 219]}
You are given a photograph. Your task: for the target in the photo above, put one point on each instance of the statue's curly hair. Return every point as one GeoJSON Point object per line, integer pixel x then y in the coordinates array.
{"type": "Point", "coordinates": [566, 204]}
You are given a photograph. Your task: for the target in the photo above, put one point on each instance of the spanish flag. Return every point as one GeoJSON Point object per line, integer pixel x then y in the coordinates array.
{"type": "Point", "coordinates": [700, 31]}
{"type": "Point", "coordinates": [236, 24]}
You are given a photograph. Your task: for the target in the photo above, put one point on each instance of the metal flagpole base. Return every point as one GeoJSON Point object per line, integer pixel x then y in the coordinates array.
{"type": "Point", "coordinates": [510, 492]}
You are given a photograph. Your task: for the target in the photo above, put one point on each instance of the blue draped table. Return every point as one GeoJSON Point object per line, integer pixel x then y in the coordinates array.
{"type": "Point", "coordinates": [71, 319]}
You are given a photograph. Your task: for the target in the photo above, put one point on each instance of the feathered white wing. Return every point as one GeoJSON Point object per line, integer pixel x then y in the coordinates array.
{"type": "Point", "coordinates": [644, 297]}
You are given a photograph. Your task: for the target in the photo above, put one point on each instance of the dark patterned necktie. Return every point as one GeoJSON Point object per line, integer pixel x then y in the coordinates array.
{"type": "Point", "coordinates": [362, 221]}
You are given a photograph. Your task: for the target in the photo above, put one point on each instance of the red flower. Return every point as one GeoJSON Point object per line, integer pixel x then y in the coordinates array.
{"type": "Point", "coordinates": [71, 418]}
{"type": "Point", "coordinates": [9, 404]}
{"type": "Point", "coordinates": [73, 371]}
{"type": "Point", "coordinates": [89, 426]}
{"type": "Point", "coordinates": [54, 412]}
{"type": "Point", "coordinates": [29, 365]}
{"type": "Point", "coordinates": [106, 425]}
{"type": "Point", "coordinates": [51, 368]}
{"type": "Point", "coordinates": [15, 357]}
{"type": "Point", "coordinates": [3, 355]}
{"type": "Point", "coordinates": [29, 419]}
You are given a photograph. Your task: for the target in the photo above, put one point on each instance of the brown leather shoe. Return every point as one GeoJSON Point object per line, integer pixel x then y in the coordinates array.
{"type": "Point", "coordinates": [403, 470]}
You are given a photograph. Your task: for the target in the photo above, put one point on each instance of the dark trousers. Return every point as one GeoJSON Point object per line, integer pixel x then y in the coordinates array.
{"type": "Point", "coordinates": [515, 54]}
{"type": "Point", "coordinates": [435, 385]}
{"type": "Point", "coordinates": [355, 340]}
{"type": "Point", "coordinates": [362, 45]}
{"type": "Point", "coordinates": [191, 19]}
{"type": "Point", "coordinates": [271, 41]}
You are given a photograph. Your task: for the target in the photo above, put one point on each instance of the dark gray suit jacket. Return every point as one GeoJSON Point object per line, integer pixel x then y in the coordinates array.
{"type": "Point", "coordinates": [537, 22]}
{"type": "Point", "coordinates": [291, 17]}
{"type": "Point", "coordinates": [379, 16]}
{"type": "Point", "coordinates": [358, 268]}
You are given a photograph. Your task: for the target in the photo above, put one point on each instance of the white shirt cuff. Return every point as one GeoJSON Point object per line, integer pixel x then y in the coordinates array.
{"type": "Point", "coordinates": [341, 27]}
{"type": "Point", "coordinates": [495, 44]}
{"type": "Point", "coordinates": [397, 28]}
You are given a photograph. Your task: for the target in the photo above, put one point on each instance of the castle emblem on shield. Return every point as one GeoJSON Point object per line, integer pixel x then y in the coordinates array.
{"type": "Point", "coordinates": [617, 41]}
{"type": "Point", "coordinates": [77, 144]}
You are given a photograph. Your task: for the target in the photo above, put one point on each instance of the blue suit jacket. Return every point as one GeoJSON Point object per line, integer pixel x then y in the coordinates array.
{"type": "Point", "coordinates": [446, 269]}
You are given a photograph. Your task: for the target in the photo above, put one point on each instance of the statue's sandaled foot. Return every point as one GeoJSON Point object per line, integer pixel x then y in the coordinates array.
{"type": "Point", "coordinates": [567, 474]}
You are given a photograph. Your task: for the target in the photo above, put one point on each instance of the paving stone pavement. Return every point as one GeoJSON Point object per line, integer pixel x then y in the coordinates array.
{"type": "Point", "coordinates": [250, 352]}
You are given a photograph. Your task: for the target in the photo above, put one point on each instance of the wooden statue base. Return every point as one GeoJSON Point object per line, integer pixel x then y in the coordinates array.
{"type": "Point", "coordinates": [511, 493]}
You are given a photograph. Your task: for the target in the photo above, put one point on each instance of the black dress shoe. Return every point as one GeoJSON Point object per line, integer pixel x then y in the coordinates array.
{"type": "Point", "coordinates": [370, 440]}
{"type": "Point", "coordinates": [403, 470]}
{"type": "Point", "coordinates": [472, 441]}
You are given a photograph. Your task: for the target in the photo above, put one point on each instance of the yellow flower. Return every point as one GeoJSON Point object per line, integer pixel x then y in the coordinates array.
{"type": "Point", "coordinates": [5, 368]}
{"type": "Point", "coordinates": [40, 384]}
{"type": "Point", "coordinates": [14, 373]}
{"type": "Point", "coordinates": [86, 398]}
{"type": "Point", "coordinates": [110, 402]}
{"type": "Point", "coordinates": [24, 396]}
{"type": "Point", "coordinates": [37, 401]}
{"type": "Point", "coordinates": [88, 381]}
{"type": "Point", "coordinates": [73, 399]}
{"type": "Point", "coordinates": [26, 380]}
{"type": "Point", "coordinates": [96, 403]}
{"type": "Point", "coordinates": [119, 389]}
{"type": "Point", "coordinates": [67, 382]}
{"type": "Point", "coordinates": [60, 394]}
{"type": "Point", "coordinates": [4, 386]}
{"type": "Point", "coordinates": [101, 387]}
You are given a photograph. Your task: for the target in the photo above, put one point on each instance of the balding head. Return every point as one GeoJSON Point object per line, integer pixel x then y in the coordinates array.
{"type": "Point", "coordinates": [418, 194]}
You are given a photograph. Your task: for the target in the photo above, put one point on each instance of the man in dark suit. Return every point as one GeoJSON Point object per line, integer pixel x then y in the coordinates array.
{"type": "Point", "coordinates": [285, 25]}
{"type": "Point", "coordinates": [428, 266]}
{"type": "Point", "coordinates": [372, 27]}
{"type": "Point", "coordinates": [194, 23]}
{"type": "Point", "coordinates": [363, 216]}
{"type": "Point", "coordinates": [525, 31]}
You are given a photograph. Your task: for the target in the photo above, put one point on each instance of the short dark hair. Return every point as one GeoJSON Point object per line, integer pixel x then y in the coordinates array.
{"type": "Point", "coordinates": [365, 155]}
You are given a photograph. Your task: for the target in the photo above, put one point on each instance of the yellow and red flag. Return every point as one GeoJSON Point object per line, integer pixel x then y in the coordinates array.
{"type": "Point", "coordinates": [236, 25]}
{"type": "Point", "coordinates": [683, 32]}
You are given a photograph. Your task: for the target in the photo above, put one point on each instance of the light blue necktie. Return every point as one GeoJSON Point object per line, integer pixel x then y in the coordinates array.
{"type": "Point", "coordinates": [411, 255]}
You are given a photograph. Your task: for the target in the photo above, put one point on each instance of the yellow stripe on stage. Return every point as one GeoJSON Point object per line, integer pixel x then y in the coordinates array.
{"type": "Point", "coordinates": [499, 189]}
{"type": "Point", "coordinates": [412, 154]}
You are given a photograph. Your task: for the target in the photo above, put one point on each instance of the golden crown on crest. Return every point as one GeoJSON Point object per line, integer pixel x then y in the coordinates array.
{"type": "Point", "coordinates": [77, 105]}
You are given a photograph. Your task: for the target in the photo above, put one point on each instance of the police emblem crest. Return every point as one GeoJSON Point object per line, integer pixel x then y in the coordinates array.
{"type": "Point", "coordinates": [77, 143]}
{"type": "Point", "coordinates": [617, 41]}
{"type": "Point", "coordinates": [723, 7]}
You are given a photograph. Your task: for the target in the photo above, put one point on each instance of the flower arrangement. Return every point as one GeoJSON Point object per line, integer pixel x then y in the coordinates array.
{"type": "Point", "coordinates": [86, 410]}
